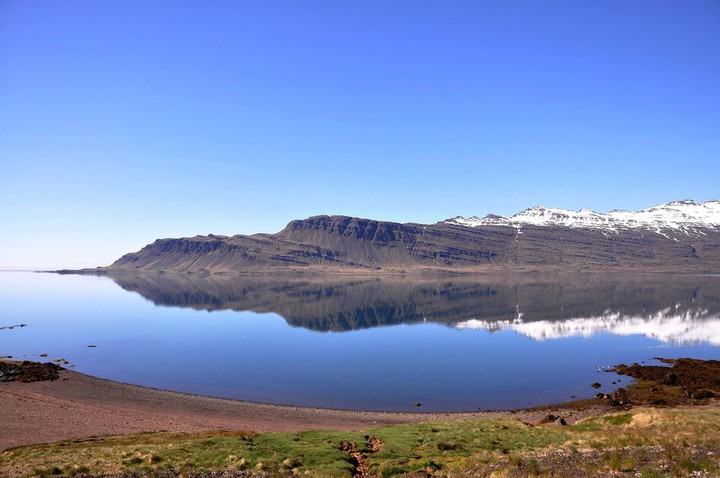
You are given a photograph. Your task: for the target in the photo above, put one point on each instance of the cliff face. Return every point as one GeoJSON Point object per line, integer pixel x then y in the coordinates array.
{"type": "Point", "coordinates": [347, 243]}
{"type": "Point", "coordinates": [390, 245]}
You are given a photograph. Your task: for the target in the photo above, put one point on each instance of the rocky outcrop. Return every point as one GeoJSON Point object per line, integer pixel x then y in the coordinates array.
{"type": "Point", "coordinates": [27, 371]}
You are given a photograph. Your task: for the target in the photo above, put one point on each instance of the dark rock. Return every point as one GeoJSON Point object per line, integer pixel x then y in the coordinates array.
{"type": "Point", "coordinates": [620, 397]}
{"type": "Point", "coordinates": [702, 394]}
{"type": "Point", "coordinates": [28, 371]}
{"type": "Point", "coordinates": [671, 379]}
{"type": "Point", "coordinates": [596, 385]}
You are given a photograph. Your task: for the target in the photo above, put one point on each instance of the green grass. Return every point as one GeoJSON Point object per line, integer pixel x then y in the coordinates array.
{"type": "Point", "coordinates": [618, 419]}
{"type": "Point", "coordinates": [629, 443]}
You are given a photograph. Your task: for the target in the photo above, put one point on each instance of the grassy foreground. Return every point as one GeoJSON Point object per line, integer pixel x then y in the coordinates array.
{"type": "Point", "coordinates": [643, 442]}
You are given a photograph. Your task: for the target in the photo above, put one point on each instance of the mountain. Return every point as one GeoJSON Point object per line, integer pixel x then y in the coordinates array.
{"type": "Point", "coordinates": [680, 236]}
{"type": "Point", "coordinates": [686, 217]}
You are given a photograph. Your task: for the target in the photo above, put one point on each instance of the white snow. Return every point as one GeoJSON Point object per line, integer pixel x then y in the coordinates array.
{"type": "Point", "coordinates": [690, 327]}
{"type": "Point", "coordinates": [685, 216]}
{"type": "Point", "coordinates": [474, 221]}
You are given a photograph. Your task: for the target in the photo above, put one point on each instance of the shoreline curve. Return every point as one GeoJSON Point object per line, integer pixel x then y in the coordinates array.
{"type": "Point", "coordinates": [79, 406]}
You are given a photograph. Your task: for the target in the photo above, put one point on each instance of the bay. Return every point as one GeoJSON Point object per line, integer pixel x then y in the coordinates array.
{"type": "Point", "coordinates": [451, 343]}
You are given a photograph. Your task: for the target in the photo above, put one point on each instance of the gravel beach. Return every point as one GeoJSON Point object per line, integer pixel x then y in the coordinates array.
{"type": "Point", "coordinates": [80, 406]}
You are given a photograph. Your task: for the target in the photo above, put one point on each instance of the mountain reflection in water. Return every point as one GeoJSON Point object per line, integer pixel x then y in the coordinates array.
{"type": "Point", "coordinates": [678, 309]}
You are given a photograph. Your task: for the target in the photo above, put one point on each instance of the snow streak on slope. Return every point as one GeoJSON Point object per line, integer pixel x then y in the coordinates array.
{"type": "Point", "coordinates": [669, 325]}
{"type": "Point", "coordinates": [681, 216]}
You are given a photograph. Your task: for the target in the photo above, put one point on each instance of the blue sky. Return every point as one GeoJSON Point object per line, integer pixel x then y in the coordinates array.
{"type": "Point", "coordinates": [122, 122]}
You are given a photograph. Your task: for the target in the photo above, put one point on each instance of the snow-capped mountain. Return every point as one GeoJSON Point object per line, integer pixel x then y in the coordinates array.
{"type": "Point", "coordinates": [685, 216]}
{"type": "Point", "coordinates": [681, 236]}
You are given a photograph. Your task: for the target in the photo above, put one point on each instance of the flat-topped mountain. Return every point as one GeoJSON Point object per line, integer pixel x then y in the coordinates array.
{"type": "Point", "coordinates": [680, 236]}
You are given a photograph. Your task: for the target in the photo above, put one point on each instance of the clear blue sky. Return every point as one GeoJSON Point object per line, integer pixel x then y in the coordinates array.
{"type": "Point", "coordinates": [125, 121]}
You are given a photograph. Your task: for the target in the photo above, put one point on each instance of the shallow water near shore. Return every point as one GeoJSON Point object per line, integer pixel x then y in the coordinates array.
{"type": "Point", "coordinates": [355, 342]}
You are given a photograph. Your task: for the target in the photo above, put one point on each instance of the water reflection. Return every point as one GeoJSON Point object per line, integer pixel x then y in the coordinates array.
{"type": "Point", "coordinates": [675, 309]}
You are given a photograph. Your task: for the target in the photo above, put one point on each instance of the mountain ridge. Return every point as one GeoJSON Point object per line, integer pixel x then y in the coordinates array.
{"type": "Point", "coordinates": [685, 216]}
{"type": "Point", "coordinates": [680, 236]}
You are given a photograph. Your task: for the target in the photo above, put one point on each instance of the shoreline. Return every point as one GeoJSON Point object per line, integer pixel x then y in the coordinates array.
{"type": "Point", "coordinates": [42, 403]}
{"type": "Point", "coordinates": [78, 406]}
{"type": "Point", "coordinates": [415, 272]}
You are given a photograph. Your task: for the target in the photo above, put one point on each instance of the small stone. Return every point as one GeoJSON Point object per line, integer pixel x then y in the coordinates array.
{"type": "Point", "coordinates": [560, 421]}
{"type": "Point", "coordinates": [417, 404]}
{"type": "Point", "coordinates": [596, 385]}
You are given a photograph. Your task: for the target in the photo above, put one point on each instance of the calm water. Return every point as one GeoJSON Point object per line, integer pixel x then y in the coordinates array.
{"type": "Point", "coordinates": [361, 343]}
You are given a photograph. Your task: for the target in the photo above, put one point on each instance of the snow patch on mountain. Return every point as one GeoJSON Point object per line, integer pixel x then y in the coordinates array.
{"type": "Point", "coordinates": [685, 216]}
{"type": "Point", "coordinates": [474, 221]}
{"type": "Point", "coordinates": [669, 325]}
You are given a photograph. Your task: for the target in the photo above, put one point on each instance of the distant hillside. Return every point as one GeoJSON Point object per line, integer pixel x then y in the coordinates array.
{"type": "Point", "coordinates": [681, 236]}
